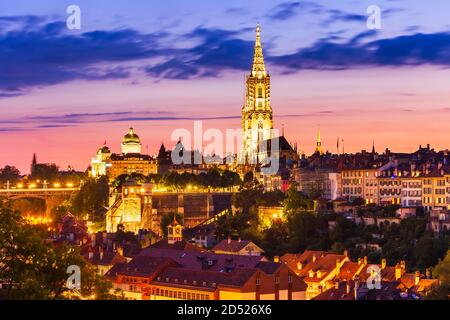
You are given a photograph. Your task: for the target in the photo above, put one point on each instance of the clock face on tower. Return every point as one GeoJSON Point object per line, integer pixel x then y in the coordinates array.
{"type": "Point", "coordinates": [177, 231]}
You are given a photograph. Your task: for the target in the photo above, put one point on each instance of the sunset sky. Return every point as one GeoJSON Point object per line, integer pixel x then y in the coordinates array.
{"type": "Point", "coordinates": [159, 65]}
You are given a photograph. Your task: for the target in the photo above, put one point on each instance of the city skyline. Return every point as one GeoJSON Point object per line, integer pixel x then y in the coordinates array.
{"type": "Point", "coordinates": [118, 72]}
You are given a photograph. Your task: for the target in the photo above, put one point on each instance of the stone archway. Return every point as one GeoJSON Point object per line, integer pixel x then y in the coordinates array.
{"type": "Point", "coordinates": [51, 201]}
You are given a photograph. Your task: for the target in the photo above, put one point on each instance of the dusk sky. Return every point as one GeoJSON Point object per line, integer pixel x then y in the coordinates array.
{"type": "Point", "coordinates": [158, 65]}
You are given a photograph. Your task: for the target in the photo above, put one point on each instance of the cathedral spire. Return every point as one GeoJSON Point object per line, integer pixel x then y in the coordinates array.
{"type": "Point", "coordinates": [258, 68]}
{"type": "Point", "coordinates": [319, 143]}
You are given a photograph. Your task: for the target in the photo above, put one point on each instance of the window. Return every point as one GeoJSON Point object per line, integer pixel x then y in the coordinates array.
{"type": "Point", "coordinates": [277, 280]}
{"type": "Point", "coordinates": [260, 94]}
{"type": "Point", "coordinates": [289, 279]}
{"type": "Point", "coordinates": [258, 281]}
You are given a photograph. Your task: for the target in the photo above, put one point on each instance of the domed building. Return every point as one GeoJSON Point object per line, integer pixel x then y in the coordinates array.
{"type": "Point", "coordinates": [131, 143]}
{"type": "Point", "coordinates": [128, 162]}
{"type": "Point", "coordinates": [99, 161]}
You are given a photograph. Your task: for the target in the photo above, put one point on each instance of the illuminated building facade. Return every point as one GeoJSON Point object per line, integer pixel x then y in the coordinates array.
{"type": "Point", "coordinates": [257, 121]}
{"type": "Point", "coordinates": [131, 160]}
{"type": "Point", "coordinates": [361, 183]}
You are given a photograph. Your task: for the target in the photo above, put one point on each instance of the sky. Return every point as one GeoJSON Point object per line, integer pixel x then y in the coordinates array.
{"type": "Point", "coordinates": [160, 65]}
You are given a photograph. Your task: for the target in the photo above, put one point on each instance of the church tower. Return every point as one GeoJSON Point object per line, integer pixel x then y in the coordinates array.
{"type": "Point", "coordinates": [319, 149]}
{"type": "Point", "coordinates": [257, 122]}
{"type": "Point", "coordinates": [174, 231]}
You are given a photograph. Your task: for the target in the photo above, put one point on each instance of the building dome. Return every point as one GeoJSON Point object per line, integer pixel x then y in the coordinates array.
{"type": "Point", "coordinates": [131, 143]}
{"type": "Point", "coordinates": [104, 150]}
{"type": "Point", "coordinates": [131, 137]}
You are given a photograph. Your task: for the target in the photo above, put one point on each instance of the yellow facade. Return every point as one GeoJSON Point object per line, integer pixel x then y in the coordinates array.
{"type": "Point", "coordinates": [435, 192]}
{"type": "Point", "coordinates": [257, 121]}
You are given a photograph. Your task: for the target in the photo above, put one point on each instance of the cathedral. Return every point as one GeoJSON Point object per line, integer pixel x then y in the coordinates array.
{"type": "Point", "coordinates": [257, 123]}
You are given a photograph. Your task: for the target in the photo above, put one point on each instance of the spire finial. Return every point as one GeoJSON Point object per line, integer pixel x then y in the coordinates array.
{"type": "Point", "coordinates": [258, 67]}
{"type": "Point", "coordinates": [319, 143]}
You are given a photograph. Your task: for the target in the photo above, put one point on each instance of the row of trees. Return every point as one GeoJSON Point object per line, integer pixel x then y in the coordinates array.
{"type": "Point", "coordinates": [214, 178]}
{"type": "Point", "coordinates": [42, 172]}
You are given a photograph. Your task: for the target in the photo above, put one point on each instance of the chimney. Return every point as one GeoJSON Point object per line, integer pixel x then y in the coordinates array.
{"type": "Point", "coordinates": [365, 260]}
{"type": "Point", "coordinates": [239, 239]}
{"type": "Point", "coordinates": [383, 263]}
{"type": "Point", "coordinates": [276, 259]}
{"type": "Point", "coordinates": [120, 250]}
{"type": "Point", "coordinates": [91, 254]}
{"type": "Point", "coordinates": [403, 265]}
{"type": "Point", "coordinates": [299, 266]}
{"type": "Point", "coordinates": [347, 288]}
{"type": "Point", "coordinates": [314, 258]}
{"type": "Point", "coordinates": [416, 278]}
{"type": "Point", "coordinates": [359, 261]}
{"type": "Point", "coordinates": [428, 274]}
{"type": "Point", "coordinates": [346, 253]}
{"type": "Point", "coordinates": [336, 285]}
{"type": "Point", "coordinates": [355, 290]}
{"type": "Point", "coordinates": [229, 239]}
{"type": "Point", "coordinates": [338, 266]}
{"type": "Point", "coordinates": [398, 271]}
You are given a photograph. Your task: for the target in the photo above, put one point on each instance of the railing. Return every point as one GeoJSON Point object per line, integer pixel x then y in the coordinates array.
{"type": "Point", "coordinates": [38, 191]}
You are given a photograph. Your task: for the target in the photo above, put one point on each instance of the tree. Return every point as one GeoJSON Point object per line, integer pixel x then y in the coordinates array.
{"type": "Point", "coordinates": [274, 239]}
{"type": "Point", "coordinates": [304, 231]}
{"type": "Point", "coordinates": [45, 171]}
{"type": "Point", "coordinates": [295, 201]}
{"type": "Point", "coordinates": [92, 198]}
{"type": "Point", "coordinates": [442, 272]}
{"type": "Point", "coordinates": [9, 173]}
{"type": "Point", "coordinates": [36, 269]}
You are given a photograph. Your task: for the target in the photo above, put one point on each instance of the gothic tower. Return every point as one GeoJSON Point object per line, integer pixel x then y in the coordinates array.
{"type": "Point", "coordinates": [319, 149]}
{"type": "Point", "coordinates": [257, 122]}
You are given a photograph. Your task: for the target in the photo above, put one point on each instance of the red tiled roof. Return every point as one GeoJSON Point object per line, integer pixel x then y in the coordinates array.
{"type": "Point", "coordinates": [207, 280]}
{"type": "Point", "coordinates": [179, 245]}
{"type": "Point", "coordinates": [145, 266]}
{"type": "Point", "coordinates": [348, 271]}
{"type": "Point", "coordinates": [324, 262]}
{"type": "Point", "coordinates": [194, 260]}
{"type": "Point", "coordinates": [232, 245]}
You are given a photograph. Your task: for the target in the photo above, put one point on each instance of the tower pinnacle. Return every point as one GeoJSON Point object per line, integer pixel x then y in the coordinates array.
{"type": "Point", "coordinates": [319, 143]}
{"type": "Point", "coordinates": [258, 68]}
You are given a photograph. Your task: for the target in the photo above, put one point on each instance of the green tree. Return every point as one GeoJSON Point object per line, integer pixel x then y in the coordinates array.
{"type": "Point", "coordinates": [9, 173]}
{"type": "Point", "coordinates": [274, 241]}
{"type": "Point", "coordinates": [92, 199]}
{"type": "Point", "coordinates": [296, 202]}
{"type": "Point", "coordinates": [442, 272]}
{"type": "Point", "coordinates": [34, 268]}
{"type": "Point", "coordinates": [45, 171]}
